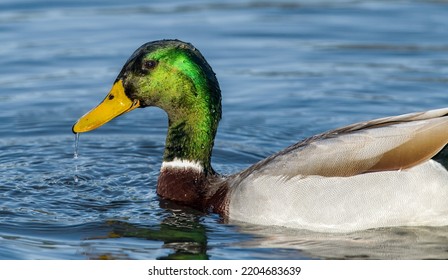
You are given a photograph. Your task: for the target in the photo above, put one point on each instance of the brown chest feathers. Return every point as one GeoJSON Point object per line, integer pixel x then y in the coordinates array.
{"type": "Point", "coordinates": [194, 189]}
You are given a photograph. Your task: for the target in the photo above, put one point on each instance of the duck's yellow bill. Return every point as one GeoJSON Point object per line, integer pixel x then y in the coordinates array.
{"type": "Point", "coordinates": [116, 103]}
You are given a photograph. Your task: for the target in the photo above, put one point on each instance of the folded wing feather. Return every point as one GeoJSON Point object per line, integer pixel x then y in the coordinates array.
{"type": "Point", "coordinates": [392, 143]}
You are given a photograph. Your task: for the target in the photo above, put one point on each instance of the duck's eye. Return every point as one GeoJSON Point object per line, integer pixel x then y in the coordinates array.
{"type": "Point", "coordinates": [149, 65]}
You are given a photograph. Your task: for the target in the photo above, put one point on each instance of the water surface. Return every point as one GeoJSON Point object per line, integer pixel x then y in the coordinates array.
{"type": "Point", "coordinates": [287, 69]}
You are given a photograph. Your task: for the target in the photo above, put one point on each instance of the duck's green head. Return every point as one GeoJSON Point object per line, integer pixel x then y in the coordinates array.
{"type": "Point", "coordinates": [174, 76]}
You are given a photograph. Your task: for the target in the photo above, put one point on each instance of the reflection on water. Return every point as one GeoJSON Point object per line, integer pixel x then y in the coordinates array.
{"type": "Point", "coordinates": [384, 243]}
{"type": "Point", "coordinates": [184, 236]}
{"type": "Point", "coordinates": [288, 70]}
{"type": "Point", "coordinates": [181, 232]}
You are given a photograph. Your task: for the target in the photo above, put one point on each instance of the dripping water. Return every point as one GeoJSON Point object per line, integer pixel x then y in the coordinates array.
{"type": "Point", "coordinates": [75, 156]}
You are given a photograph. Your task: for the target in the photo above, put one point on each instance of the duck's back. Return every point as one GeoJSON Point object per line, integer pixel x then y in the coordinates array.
{"type": "Point", "coordinates": [366, 175]}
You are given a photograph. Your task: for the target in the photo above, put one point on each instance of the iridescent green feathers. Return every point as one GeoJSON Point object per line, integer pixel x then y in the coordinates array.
{"type": "Point", "coordinates": [174, 76]}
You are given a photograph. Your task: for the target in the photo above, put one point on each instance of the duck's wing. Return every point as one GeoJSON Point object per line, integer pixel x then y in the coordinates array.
{"type": "Point", "coordinates": [391, 143]}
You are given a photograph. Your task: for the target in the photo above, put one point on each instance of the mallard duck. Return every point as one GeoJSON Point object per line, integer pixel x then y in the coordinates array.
{"type": "Point", "coordinates": [381, 173]}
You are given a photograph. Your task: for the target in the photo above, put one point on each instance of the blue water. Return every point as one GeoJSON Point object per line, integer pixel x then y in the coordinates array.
{"type": "Point", "coordinates": [287, 69]}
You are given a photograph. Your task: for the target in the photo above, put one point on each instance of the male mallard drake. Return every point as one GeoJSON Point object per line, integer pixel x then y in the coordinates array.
{"type": "Point", "coordinates": [380, 173]}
